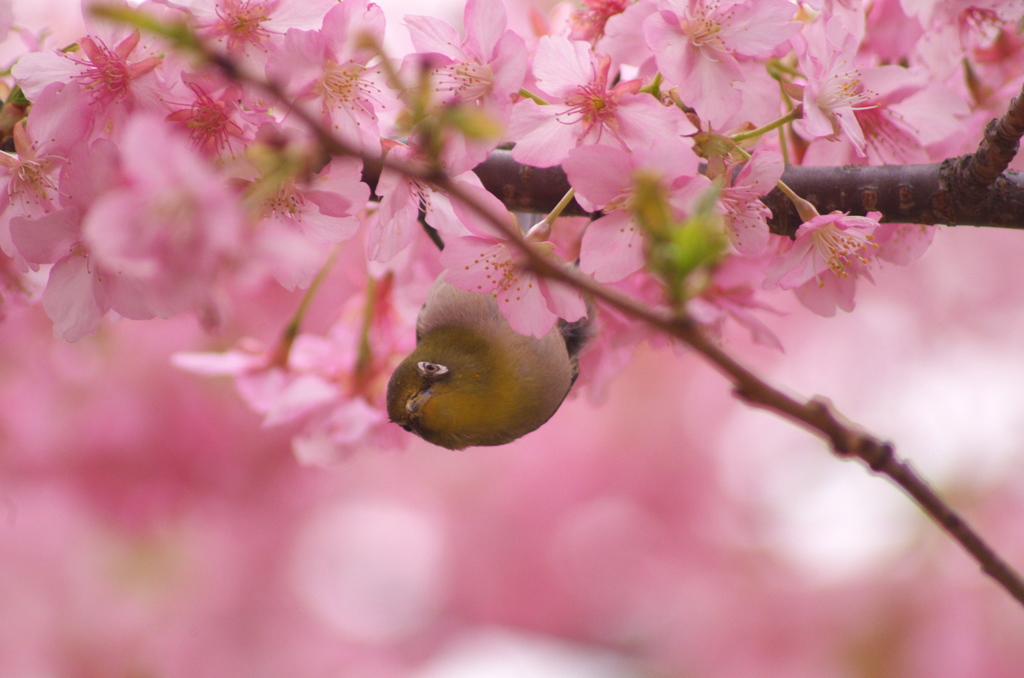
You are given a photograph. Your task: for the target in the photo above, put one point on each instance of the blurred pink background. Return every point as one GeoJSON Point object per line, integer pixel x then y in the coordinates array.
{"type": "Point", "coordinates": [150, 527]}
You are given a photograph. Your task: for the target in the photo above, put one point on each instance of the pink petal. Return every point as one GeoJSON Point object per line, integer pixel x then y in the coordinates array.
{"type": "Point", "coordinates": [396, 224]}
{"type": "Point", "coordinates": [302, 396]}
{"type": "Point", "coordinates": [823, 297]}
{"type": "Point", "coordinates": [354, 30]}
{"type": "Point", "coordinates": [485, 22]}
{"type": "Point", "coordinates": [644, 122]}
{"type": "Point", "coordinates": [562, 66]}
{"type": "Point", "coordinates": [49, 238]}
{"type": "Point", "coordinates": [902, 244]}
{"type": "Point", "coordinates": [35, 70]}
{"type": "Point", "coordinates": [755, 27]}
{"type": "Point", "coordinates": [525, 308]}
{"type": "Point", "coordinates": [612, 247]}
{"type": "Point", "coordinates": [599, 174]}
{"type": "Point", "coordinates": [433, 36]}
{"type": "Point", "coordinates": [70, 299]}
{"type": "Point", "coordinates": [749, 234]}
{"type": "Point", "coordinates": [669, 44]}
{"type": "Point", "coordinates": [541, 140]}
{"type": "Point", "coordinates": [468, 263]}
{"type": "Point", "coordinates": [762, 172]}
{"type": "Point", "coordinates": [564, 301]}
{"type": "Point", "coordinates": [60, 118]}
{"type": "Point", "coordinates": [706, 87]}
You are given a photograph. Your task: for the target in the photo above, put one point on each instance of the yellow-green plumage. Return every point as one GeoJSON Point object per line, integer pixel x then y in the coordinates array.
{"type": "Point", "coordinates": [496, 385]}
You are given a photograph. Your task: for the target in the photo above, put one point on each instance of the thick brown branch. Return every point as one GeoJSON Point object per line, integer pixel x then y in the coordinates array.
{"type": "Point", "coordinates": [913, 194]}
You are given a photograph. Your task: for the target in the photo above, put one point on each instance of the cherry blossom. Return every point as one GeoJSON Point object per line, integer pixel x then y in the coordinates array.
{"type": "Point", "coordinates": [486, 263]}
{"type": "Point", "coordinates": [484, 71]}
{"type": "Point", "coordinates": [250, 29]}
{"type": "Point", "coordinates": [298, 217]}
{"type": "Point", "coordinates": [332, 66]}
{"type": "Point", "coordinates": [901, 115]}
{"type": "Point", "coordinates": [731, 295]}
{"type": "Point", "coordinates": [583, 109]}
{"type": "Point", "coordinates": [162, 237]}
{"type": "Point", "coordinates": [696, 44]}
{"type": "Point", "coordinates": [402, 198]}
{"type": "Point", "coordinates": [604, 177]}
{"type": "Point", "coordinates": [746, 216]}
{"type": "Point", "coordinates": [588, 23]}
{"type": "Point", "coordinates": [75, 296]}
{"type": "Point", "coordinates": [835, 90]}
{"type": "Point", "coordinates": [116, 72]}
{"type": "Point", "coordinates": [486, 68]}
{"type": "Point", "coordinates": [42, 145]}
{"type": "Point", "coordinates": [830, 252]}
{"type": "Point", "coordinates": [216, 120]}
{"type": "Point", "coordinates": [333, 384]}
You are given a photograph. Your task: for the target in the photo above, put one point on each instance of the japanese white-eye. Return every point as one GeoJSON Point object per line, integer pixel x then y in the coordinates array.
{"type": "Point", "coordinates": [473, 380]}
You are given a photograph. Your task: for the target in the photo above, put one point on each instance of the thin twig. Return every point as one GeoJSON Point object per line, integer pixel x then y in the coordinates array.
{"type": "Point", "coordinates": [815, 414]}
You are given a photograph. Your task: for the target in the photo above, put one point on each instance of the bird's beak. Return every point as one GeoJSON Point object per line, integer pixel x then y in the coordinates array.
{"type": "Point", "coordinates": [414, 404]}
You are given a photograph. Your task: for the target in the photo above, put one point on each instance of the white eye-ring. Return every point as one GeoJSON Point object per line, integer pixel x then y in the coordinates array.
{"type": "Point", "coordinates": [431, 369]}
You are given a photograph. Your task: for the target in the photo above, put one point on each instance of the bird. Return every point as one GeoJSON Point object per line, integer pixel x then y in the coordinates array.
{"type": "Point", "coordinates": [474, 381]}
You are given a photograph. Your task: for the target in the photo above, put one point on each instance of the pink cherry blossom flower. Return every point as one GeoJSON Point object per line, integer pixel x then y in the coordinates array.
{"type": "Point", "coordinates": [334, 385]}
{"type": "Point", "coordinates": [836, 243]}
{"type": "Point", "coordinates": [163, 236]}
{"type": "Point", "coordinates": [332, 67]}
{"type": "Point", "coordinates": [696, 43]}
{"type": "Point", "coordinates": [116, 73]}
{"type": "Point", "coordinates": [588, 23]}
{"type": "Point", "coordinates": [902, 244]}
{"type": "Point", "coordinates": [583, 110]}
{"type": "Point", "coordinates": [731, 295]}
{"type": "Point", "coordinates": [300, 217]}
{"type": "Point", "coordinates": [216, 120]}
{"type": "Point", "coordinates": [249, 29]}
{"type": "Point", "coordinates": [604, 178]}
{"type": "Point", "coordinates": [486, 68]}
{"type": "Point", "coordinates": [834, 90]}
{"type": "Point", "coordinates": [75, 296]}
{"type": "Point", "coordinates": [830, 252]}
{"type": "Point", "coordinates": [402, 198]}
{"type": "Point", "coordinates": [29, 180]}
{"type": "Point", "coordinates": [486, 263]}
{"type": "Point", "coordinates": [746, 217]}
{"type": "Point", "coordinates": [898, 114]}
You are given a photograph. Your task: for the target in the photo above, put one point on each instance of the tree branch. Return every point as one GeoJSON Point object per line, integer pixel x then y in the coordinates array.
{"type": "Point", "coordinates": [911, 194]}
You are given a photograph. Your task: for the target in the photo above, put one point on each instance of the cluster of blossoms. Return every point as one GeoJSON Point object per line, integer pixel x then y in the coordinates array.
{"type": "Point", "coordinates": [147, 180]}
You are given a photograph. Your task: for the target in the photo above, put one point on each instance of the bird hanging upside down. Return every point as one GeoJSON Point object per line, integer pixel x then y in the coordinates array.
{"type": "Point", "coordinates": [473, 380]}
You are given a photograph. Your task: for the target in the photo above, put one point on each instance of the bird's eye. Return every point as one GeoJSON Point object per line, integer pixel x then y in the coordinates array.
{"type": "Point", "coordinates": [431, 369]}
